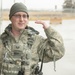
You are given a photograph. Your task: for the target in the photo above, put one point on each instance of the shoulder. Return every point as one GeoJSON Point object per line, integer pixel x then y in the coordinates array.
{"type": "Point", "coordinates": [3, 37]}
{"type": "Point", "coordinates": [32, 30]}
{"type": "Point", "coordinates": [1, 43]}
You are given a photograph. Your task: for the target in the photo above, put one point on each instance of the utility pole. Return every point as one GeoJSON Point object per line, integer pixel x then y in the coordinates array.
{"type": "Point", "coordinates": [24, 1]}
{"type": "Point", "coordinates": [14, 1]}
{"type": "Point", "coordinates": [0, 15]}
{"type": "Point", "coordinates": [1, 9]}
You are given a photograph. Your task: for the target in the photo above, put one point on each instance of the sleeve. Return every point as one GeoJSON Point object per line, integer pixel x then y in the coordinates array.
{"type": "Point", "coordinates": [1, 51]}
{"type": "Point", "coordinates": [53, 46]}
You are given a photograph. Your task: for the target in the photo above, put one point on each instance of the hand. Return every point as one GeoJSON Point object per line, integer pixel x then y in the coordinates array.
{"type": "Point", "coordinates": [45, 26]}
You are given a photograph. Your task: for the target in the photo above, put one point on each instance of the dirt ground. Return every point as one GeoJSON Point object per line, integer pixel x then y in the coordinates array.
{"type": "Point", "coordinates": [43, 15]}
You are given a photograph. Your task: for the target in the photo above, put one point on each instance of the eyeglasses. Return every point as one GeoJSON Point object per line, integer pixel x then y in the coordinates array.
{"type": "Point", "coordinates": [19, 16]}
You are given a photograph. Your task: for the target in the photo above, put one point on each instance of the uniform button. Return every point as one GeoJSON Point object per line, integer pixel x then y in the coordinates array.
{"type": "Point", "coordinates": [18, 62]}
{"type": "Point", "coordinates": [17, 47]}
{"type": "Point", "coordinates": [27, 62]}
{"type": "Point", "coordinates": [27, 56]}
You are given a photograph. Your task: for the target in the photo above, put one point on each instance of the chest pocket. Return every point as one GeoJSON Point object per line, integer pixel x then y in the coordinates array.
{"type": "Point", "coordinates": [12, 59]}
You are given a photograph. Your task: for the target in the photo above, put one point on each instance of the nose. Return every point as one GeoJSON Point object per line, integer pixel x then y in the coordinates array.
{"type": "Point", "coordinates": [21, 18]}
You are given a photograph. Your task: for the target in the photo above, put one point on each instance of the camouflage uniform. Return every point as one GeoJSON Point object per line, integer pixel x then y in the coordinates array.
{"type": "Point", "coordinates": [28, 47]}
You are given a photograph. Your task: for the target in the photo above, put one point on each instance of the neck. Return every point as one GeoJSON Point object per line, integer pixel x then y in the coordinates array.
{"type": "Point", "coordinates": [15, 33]}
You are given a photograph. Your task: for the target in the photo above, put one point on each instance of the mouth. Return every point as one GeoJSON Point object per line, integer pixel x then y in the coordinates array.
{"type": "Point", "coordinates": [20, 23]}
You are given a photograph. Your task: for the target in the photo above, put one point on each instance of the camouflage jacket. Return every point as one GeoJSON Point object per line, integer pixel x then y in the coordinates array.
{"type": "Point", "coordinates": [28, 47]}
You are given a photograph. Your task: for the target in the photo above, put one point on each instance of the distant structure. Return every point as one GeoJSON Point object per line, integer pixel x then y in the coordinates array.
{"type": "Point", "coordinates": [0, 10]}
{"type": "Point", "coordinates": [69, 6]}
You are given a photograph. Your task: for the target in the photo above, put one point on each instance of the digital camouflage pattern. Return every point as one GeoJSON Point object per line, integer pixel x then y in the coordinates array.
{"type": "Point", "coordinates": [28, 49]}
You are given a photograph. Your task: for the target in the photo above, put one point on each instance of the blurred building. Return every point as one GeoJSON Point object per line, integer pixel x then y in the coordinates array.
{"type": "Point", "coordinates": [69, 6]}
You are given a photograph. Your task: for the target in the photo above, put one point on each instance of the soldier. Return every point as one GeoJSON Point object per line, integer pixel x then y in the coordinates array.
{"type": "Point", "coordinates": [22, 48]}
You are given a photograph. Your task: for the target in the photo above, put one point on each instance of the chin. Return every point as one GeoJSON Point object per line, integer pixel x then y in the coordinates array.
{"type": "Point", "coordinates": [21, 27]}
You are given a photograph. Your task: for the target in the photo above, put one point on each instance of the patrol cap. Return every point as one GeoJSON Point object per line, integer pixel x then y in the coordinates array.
{"type": "Point", "coordinates": [18, 7]}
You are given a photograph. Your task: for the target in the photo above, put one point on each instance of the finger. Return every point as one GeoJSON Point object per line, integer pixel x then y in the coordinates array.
{"type": "Point", "coordinates": [38, 22]}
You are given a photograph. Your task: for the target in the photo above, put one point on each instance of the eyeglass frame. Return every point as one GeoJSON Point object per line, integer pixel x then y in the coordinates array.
{"type": "Point", "coordinates": [19, 16]}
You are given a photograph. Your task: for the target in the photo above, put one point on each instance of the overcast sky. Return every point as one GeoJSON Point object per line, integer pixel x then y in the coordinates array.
{"type": "Point", "coordinates": [35, 4]}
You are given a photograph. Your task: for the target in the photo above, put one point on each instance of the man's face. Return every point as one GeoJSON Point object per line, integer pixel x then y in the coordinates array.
{"type": "Point", "coordinates": [19, 20]}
